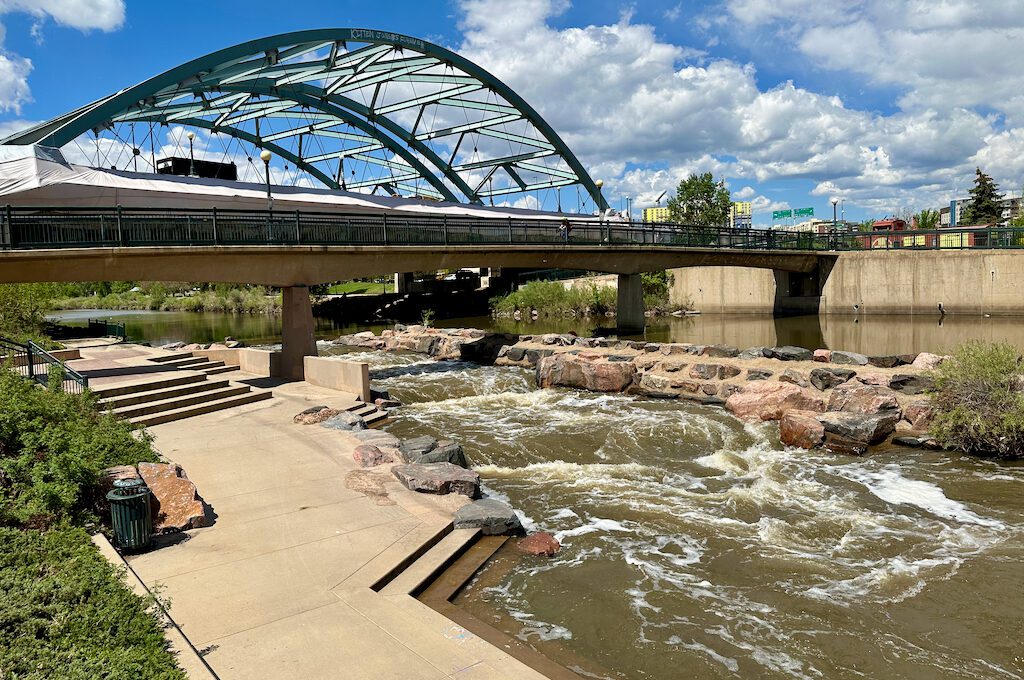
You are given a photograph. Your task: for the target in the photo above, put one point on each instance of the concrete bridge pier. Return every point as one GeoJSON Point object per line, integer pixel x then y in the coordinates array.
{"type": "Point", "coordinates": [629, 314]}
{"type": "Point", "coordinates": [297, 338]}
{"type": "Point", "coordinates": [403, 282]}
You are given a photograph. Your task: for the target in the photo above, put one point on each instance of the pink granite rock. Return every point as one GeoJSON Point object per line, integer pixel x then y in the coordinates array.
{"type": "Point", "coordinates": [540, 543]}
{"type": "Point", "coordinates": [177, 505]}
{"type": "Point", "coordinates": [769, 400]}
{"type": "Point", "coordinates": [823, 355]}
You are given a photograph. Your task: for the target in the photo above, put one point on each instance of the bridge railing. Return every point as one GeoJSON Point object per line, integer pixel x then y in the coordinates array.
{"type": "Point", "coordinates": [43, 227]}
{"type": "Point", "coordinates": [33, 362]}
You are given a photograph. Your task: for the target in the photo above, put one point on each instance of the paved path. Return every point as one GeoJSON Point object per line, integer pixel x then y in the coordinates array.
{"type": "Point", "coordinates": [279, 586]}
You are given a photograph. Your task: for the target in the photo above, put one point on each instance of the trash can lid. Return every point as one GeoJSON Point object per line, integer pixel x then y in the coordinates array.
{"type": "Point", "coordinates": [129, 482]}
{"type": "Point", "coordinates": [126, 492]}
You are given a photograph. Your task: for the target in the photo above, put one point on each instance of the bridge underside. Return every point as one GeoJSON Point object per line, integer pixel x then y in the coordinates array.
{"type": "Point", "coordinates": [285, 266]}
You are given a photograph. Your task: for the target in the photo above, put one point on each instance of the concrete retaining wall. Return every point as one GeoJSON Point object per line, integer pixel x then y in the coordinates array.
{"type": "Point", "coordinates": [257, 361]}
{"type": "Point", "coordinates": [900, 282]}
{"type": "Point", "coordinates": [335, 374]}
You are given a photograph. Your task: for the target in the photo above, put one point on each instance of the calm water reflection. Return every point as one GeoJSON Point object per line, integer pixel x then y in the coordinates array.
{"type": "Point", "coordinates": [869, 334]}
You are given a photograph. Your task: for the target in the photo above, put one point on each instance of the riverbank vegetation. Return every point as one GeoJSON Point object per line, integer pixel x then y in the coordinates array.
{"type": "Point", "coordinates": [170, 297]}
{"type": "Point", "coordinates": [64, 611]}
{"type": "Point", "coordinates": [554, 298]}
{"type": "Point", "coordinates": [979, 400]}
{"type": "Point", "coordinates": [23, 308]}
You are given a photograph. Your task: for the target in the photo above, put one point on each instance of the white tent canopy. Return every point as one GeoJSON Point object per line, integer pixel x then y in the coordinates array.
{"type": "Point", "coordinates": [33, 176]}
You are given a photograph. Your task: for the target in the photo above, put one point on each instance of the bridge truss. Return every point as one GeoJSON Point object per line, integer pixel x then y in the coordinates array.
{"type": "Point", "coordinates": [351, 109]}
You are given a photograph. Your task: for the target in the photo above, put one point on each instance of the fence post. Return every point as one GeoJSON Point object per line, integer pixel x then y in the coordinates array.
{"type": "Point", "coordinates": [120, 232]}
{"type": "Point", "coordinates": [510, 230]}
{"type": "Point", "coordinates": [214, 226]}
{"type": "Point", "coordinates": [444, 227]}
{"type": "Point", "coordinates": [8, 242]}
{"type": "Point", "coordinates": [385, 228]}
{"type": "Point", "coordinates": [31, 363]}
{"type": "Point", "coordinates": [298, 233]}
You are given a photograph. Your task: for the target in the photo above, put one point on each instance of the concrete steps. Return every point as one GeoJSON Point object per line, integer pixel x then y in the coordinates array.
{"type": "Point", "coordinates": [371, 415]}
{"type": "Point", "coordinates": [161, 392]}
{"type": "Point", "coordinates": [119, 389]}
{"type": "Point", "coordinates": [199, 409]}
{"type": "Point", "coordinates": [417, 575]}
{"type": "Point", "coordinates": [178, 402]}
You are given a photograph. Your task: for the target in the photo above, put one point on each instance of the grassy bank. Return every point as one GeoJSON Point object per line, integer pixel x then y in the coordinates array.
{"type": "Point", "coordinates": [254, 300]}
{"type": "Point", "coordinates": [64, 612]}
{"type": "Point", "coordinates": [552, 298]}
{"type": "Point", "coordinates": [361, 288]}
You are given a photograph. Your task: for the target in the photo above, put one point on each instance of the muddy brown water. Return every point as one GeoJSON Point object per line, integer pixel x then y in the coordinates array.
{"type": "Point", "coordinates": [697, 546]}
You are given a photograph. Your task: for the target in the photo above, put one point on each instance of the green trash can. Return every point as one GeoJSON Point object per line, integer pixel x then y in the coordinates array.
{"type": "Point", "coordinates": [130, 514]}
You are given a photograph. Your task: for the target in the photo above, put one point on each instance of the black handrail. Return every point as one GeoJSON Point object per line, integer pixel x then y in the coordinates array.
{"type": "Point", "coordinates": [100, 328]}
{"type": "Point", "coordinates": [35, 363]}
{"type": "Point", "coordinates": [42, 227]}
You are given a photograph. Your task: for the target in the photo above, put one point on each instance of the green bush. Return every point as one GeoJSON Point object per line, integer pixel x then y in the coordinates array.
{"type": "Point", "coordinates": [64, 613]}
{"type": "Point", "coordinates": [53, 447]}
{"type": "Point", "coordinates": [551, 298]}
{"type": "Point", "coordinates": [979, 403]}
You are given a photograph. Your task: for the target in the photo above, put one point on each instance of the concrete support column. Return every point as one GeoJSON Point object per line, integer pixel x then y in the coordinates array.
{"type": "Point", "coordinates": [403, 282]}
{"type": "Point", "coordinates": [297, 339]}
{"type": "Point", "coordinates": [629, 312]}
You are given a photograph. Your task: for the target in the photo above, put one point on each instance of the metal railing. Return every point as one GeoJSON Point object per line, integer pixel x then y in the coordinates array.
{"type": "Point", "coordinates": [101, 328]}
{"type": "Point", "coordinates": [35, 363]}
{"type": "Point", "coordinates": [27, 228]}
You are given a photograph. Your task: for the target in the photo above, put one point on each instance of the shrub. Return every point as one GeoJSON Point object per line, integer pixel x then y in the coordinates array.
{"type": "Point", "coordinates": [64, 613]}
{"type": "Point", "coordinates": [53, 447]}
{"type": "Point", "coordinates": [979, 403]}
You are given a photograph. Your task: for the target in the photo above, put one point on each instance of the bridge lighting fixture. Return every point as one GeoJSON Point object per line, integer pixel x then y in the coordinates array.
{"type": "Point", "coordinates": [835, 202]}
{"type": "Point", "coordinates": [265, 156]}
{"type": "Point", "coordinates": [191, 154]}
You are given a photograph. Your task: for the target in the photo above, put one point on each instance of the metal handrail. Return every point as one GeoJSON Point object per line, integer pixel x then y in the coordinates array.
{"type": "Point", "coordinates": [27, 358]}
{"type": "Point", "coordinates": [39, 227]}
{"type": "Point", "coordinates": [106, 328]}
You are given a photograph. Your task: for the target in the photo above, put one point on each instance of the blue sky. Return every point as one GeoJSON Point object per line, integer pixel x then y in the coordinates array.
{"type": "Point", "coordinates": [886, 104]}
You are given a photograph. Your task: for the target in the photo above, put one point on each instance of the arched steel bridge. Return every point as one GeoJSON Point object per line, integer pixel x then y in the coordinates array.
{"type": "Point", "coordinates": [352, 109]}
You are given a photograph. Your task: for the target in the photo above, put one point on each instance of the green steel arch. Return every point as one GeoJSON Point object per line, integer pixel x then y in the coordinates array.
{"type": "Point", "coordinates": [413, 116]}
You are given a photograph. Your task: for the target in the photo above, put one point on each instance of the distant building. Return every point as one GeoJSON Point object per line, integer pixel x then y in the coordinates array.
{"type": "Point", "coordinates": [741, 215]}
{"type": "Point", "coordinates": [953, 215]}
{"type": "Point", "coordinates": [658, 214]}
{"type": "Point", "coordinates": [813, 226]}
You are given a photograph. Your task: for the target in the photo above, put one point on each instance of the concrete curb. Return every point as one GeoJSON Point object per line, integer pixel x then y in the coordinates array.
{"type": "Point", "coordinates": [187, 656]}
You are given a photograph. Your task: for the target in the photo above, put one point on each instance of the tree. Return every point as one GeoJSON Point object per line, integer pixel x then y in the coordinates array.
{"type": "Point", "coordinates": [23, 307]}
{"type": "Point", "coordinates": [985, 198]}
{"type": "Point", "coordinates": [927, 219]}
{"type": "Point", "coordinates": [700, 200]}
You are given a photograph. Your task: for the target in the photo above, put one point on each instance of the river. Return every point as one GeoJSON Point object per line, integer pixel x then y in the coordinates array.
{"type": "Point", "coordinates": [697, 546]}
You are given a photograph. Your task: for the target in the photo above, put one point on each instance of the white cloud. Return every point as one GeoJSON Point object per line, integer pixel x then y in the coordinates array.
{"type": "Point", "coordinates": [105, 15]}
{"type": "Point", "coordinates": [14, 90]}
{"type": "Point", "coordinates": [620, 97]}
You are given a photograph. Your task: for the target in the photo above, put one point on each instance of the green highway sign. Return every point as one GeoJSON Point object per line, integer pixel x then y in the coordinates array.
{"type": "Point", "coordinates": [803, 212]}
{"type": "Point", "coordinates": [781, 214]}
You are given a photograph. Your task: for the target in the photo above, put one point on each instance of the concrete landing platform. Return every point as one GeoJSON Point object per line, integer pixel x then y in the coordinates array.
{"type": "Point", "coordinates": [281, 585]}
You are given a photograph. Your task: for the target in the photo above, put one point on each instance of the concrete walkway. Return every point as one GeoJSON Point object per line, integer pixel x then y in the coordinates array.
{"type": "Point", "coordinates": [279, 586]}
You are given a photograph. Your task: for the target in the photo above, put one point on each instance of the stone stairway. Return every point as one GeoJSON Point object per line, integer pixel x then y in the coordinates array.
{"type": "Point", "coordinates": [193, 363]}
{"type": "Point", "coordinates": [371, 415]}
{"type": "Point", "coordinates": [169, 398]}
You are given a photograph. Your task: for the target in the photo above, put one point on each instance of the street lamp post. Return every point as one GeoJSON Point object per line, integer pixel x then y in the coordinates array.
{"type": "Point", "coordinates": [835, 202]}
{"type": "Point", "coordinates": [265, 156]}
{"type": "Point", "coordinates": [191, 155]}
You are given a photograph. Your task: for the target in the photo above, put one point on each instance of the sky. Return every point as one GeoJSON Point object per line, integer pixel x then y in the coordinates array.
{"type": "Point", "coordinates": [885, 105]}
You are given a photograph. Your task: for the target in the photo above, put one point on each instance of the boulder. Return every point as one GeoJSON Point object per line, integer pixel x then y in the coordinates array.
{"type": "Point", "coordinates": [176, 503]}
{"type": "Point", "coordinates": [585, 372]}
{"type": "Point", "coordinates": [720, 351]}
{"type": "Point", "coordinates": [920, 414]}
{"type": "Point", "coordinates": [726, 372]}
{"type": "Point", "coordinates": [346, 420]}
{"type": "Point", "coordinates": [887, 361]}
{"type": "Point", "coordinates": [863, 428]}
{"type": "Point", "coordinates": [752, 353]}
{"type": "Point", "coordinates": [704, 371]}
{"type": "Point", "coordinates": [417, 446]}
{"type": "Point", "coordinates": [879, 379]}
{"type": "Point", "coordinates": [912, 384]}
{"type": "Point", "coordinates": [438, 478]}
{"type": "Point", "coordinates": [444, 452]}
{"type": "Point", "coordinates": [491, 516]}
{"type": "Point", "coordinates": [386, 403]}
{"type": "Point", "coordinates": [368, 455]}
{"type": "Point", "coordinates": [823, 355]}
{"type": "Point", "coordinates": [793, 377]}
{"type": "Point", "coordinates": [849, 358]}
{"type": "Point", "coordinates": [869, 399]}
{"type": "Point", "coordinates": [927, 362]}
{"type": "Point", "coordinates": [541, 543]}
{"type": "Point", "coordinates": [801, 429]}
{"type": "Point", "coordinates": [172, 346]}
{"type": "Point", "coordinates": [709, 388]}
{"type": "Point", "coordinates": [827, 378]}
{"type": "Point", "coordinates": [687, 386]}
{"type": "Point", "coordinates": [758, 374]}
{"type": "Point", "coordinates": [835, 443]}
{"type": "Point", "coordinates": [769, 400]}
{"type": "Point", "coordinates": [516, 353]}
{"type": "Point", "coordinates": [315, 415]}
{"type": "Point", "coordinates": [789, 353]}
{"type": "Point", "coordinates": [726, 390]}
{"type": "Point", "coordinates": [379, 438]}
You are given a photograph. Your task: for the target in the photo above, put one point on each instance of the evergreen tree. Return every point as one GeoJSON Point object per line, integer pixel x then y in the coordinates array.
{"type": "Point", "coordinates": [985, 197]}
{"type": "Point", "coordinates": [700, 200]}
